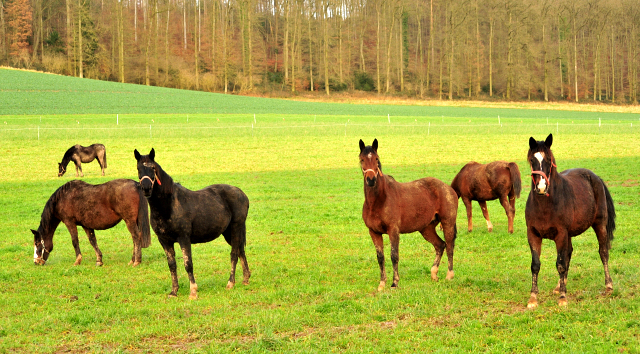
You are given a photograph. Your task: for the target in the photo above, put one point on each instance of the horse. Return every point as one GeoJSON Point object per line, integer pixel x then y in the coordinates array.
{"type": "Point", "coordinates": [561, 206]}
{"type": "Point", "coordinates": [86, 154]}
{"type": "Point", "coordinates": [495, 180]}
{"type": "Point", "coordinates": [393, 208]}
{"type": "Point", "coordinates": [187, 217]}
{"type": "Point", "coordinates": [94, 207]}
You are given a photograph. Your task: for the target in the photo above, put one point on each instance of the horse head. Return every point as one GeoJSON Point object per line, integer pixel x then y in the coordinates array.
{"type": "Point", "coordinates": [147, 171]}
{"type": "Point", "coordinates": [42, 247]}
{"type": "Point", "coordinates": [370, 162]}
{"type": "Point", "coordinates": [61, 170]}
{"type": "Point", "coordinates": [542, 162]}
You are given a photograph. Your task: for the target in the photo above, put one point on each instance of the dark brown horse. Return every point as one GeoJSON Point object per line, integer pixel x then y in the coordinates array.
{"type": "Point", "coordinates": [395, 208]}
{"type": "Point", "coordinates": [94, 207]}
{"type": "Point", "coordinates": [86, 154]}
{"type": "Point", "coordinates": [561, 206]}
{"type": "Point", "coordinates": [187, 217]}
{"type": "Point", "coordinates": [495, 180]}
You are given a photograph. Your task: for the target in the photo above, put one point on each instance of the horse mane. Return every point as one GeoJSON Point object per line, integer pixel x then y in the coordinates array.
{"type": "Point", "coordinates": [168, 185]}
{"type": "Point", "coordinates": [68, 154]}
{"type": "Point", "coordinates": [50, 207]}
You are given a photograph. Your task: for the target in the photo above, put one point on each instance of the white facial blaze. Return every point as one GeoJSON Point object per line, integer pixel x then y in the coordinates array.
{"type": "Point", "coordinates": [370, 156]}
{"type": "Point", "coordinates": [35, 254]}
{"type": "Point", "coordinates": [542, 183]}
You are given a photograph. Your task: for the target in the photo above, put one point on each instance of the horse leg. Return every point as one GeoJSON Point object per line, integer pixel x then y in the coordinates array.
{"type": "Point", "coordinates": [171, 260]}
{"type": "Point", "coordinates": [100, 158]}
{"type": "Point", "coordinates": [235, 236]}
{"type": "Point", "coordinates": [509, 209]}
{"type": "Point", "coordinates": [512, 210]}
{"type": "Point", "coordinates": [564, 248]}
{"type": "Point", "coordinates": [485, 212]}
{"type": "Point", "coordinates": [432, 237]}
{"type": "Point", "coordinates": [556, 290]}
{"type": "Point", "coordinates": [185, 245]}
{"type": "Point", "coordinates": [136, 257]}
{"type": "Point", "coordinates": [535, 244]}
{"type": "Point", "coordinates": [78, 167]}
{"type": "Point", "coordinates": [394, 240]}
{"type": "Point", "coordinates": [603, 243]}
{"type": "Point", "coordinates": [377, 242]}
{"type": "Point", "coordinates": [449, 228]}
{"type": "Point", "coordinates": [91, 235]}
{"type": "Point", "coordinates": [467, 204]}
{"type": "Point", "coordinates": [73, 230]}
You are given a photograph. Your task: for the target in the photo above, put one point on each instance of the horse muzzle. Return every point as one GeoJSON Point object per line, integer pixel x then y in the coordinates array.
{"type": "Point", "coordinates": [371, 181]}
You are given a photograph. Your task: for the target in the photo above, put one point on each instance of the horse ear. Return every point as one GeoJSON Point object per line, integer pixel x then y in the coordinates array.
{"type": "Point", "coordinates": [549, 141]}
{"type": "Point", "coordinates": [361, 146]}
{"type": "Point", "coordinates": [375, 145]}
{"type": "Point", "coordinates": [136, 154]}
{"type": "Point", "coordinates": [533, 144]}
{"type": "Point", "coordinates": [35, 233]}
{"type": "Point", "coordinates": [152, 154]}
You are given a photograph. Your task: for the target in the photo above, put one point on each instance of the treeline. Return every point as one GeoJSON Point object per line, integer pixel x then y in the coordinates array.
{"type": "Point", "coordinates": [576, 50]}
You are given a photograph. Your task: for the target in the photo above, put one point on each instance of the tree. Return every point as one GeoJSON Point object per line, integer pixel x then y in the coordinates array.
{"type": "Point", "coordinates": [19, 17]}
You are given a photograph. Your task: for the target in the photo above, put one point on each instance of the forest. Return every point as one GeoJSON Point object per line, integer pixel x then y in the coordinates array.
{"type": "Point", "coordinates": [570, 50]}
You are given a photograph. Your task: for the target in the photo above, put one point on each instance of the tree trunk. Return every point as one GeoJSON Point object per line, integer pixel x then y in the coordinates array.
{"type": "Point", "coordinates": [613, 67]}
{"type": "Point", "coordinates": [69, 40]}
{"type": "Point", "coordinates": [491, 57]}
{"type": "Point", "coordinates": [120, 40]}
{"type": "Point", "coordinates": [560, 61]}
{"type": "Point", "coordinates": [509, 54]}
{"type": "Point", "coordinates": [326, 47]}
{"type": "Point", "coordinates": [80, 54]}
{"type": "Point", "coordinates": [196, 40]}
{"type": "Point", "coordinates": [184, 23]}
{"type": "Point", "coordinates": [166, 47]}
{"type": "Point", "coordinates": [393, 22]}
{"type": "Point", "coordinates": [575, 56]}
{"type": "Point", "coordinates": [378, 5]}
{"type": "Point", "coordinates": [310, 52]}
{"type": "Point", "coordinates": [286, 42]}
{"type": "Point", "coordinates": [544, 63]}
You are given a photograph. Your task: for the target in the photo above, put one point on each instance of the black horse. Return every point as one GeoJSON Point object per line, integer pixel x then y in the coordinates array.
{"type": "Point", "coordinates": [561, 206]}
{"type": "Point", "coordinates": [185, 216]}
{"type": "Point", "coordinates": [86, 154]}
{"type": "Point", "coordinates": [94, 207]}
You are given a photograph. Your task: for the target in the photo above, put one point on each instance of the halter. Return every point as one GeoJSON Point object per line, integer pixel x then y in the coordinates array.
{"type": "Point", "coordinates": [376, 171]}
{"type": "Point", "coordinates": [153, 181]}
{"type": "Point", "coordinates": [547, 179]}
{"type": "Point", "coordinates": [43, 250]}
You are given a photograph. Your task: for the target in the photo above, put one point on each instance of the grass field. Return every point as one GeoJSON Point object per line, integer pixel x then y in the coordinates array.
{"type": "Point", "coordinates": [314, 269]}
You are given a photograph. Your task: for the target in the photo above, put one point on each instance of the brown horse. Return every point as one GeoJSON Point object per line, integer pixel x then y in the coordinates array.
{"type": "Point", "coordinates": [86, 154]}
{"type": "Point", "coordinates": [561, 206]}
{"type": "Point", "coordinates": [393, 208]}
{"type": "Point", "coordinates": [495, 180]}
{"type": "Point", "coordinates": [94, 207]}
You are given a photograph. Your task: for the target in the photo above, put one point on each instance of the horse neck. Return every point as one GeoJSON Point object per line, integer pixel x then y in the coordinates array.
{"type": "Point", "coordinates": [165, 188]}
{"type": "Point", "coordinates": [377, 193]}
{"type": "Point", "coordinates": [65, 160]}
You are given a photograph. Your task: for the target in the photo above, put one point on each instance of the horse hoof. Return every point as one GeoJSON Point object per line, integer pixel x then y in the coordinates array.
{"type": "Point", "coordinates": [490, 229]}
{"type": "Point", "coordinates": [172, 295]}
{"type": "Point", "coordinates": [563, 302]}
{"type": "Point", "coordinates": [245, 282]}
{"type": "Point", "coordinates": [193, 296]}
{"type": "Point", "coordinates": [135, 264]}
{"type": "Point", "coordinates": [532, 305]}
{"type": "Point", "coordinates": [450, 275]}
{"type": "Point", "coordinates": [99, 264]}
{"type": "Point", "coordinates": [434, 273]}
{"type": "Point", "coordinates": [469, 230]}
{"type": "Point", "coordinates": [381, 286]}
{"type": "Point", "coordinates": [230, 285]}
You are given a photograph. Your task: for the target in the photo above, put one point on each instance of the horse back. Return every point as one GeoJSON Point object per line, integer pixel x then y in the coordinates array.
{"type": "Point", "coordinates": [476, 181]}
{"type": "Point", "coordinates": [209, 211]}
{"type": "Point", "coordinates": [101, 206]}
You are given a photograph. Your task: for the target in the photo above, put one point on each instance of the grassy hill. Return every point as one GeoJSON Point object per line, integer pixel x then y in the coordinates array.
{"type": "Point", "coordinates": [32, 93]}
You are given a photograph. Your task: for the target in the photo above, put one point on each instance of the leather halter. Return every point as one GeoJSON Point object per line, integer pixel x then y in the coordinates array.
{"type": "Point", "coordinates": [153, 181]}
{"type": "Point", "coordinates": [377, 171]}
{"type": "Point", "coordinates": [547, 179]}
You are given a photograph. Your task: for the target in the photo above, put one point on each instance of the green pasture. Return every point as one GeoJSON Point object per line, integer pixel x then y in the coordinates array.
{"type": "Point", "coordinates": [314, 268]}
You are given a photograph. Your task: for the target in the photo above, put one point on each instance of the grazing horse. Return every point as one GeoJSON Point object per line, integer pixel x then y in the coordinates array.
{"type": "Point", "coordinates": [393, 208]}
{"type": "Point", "coordinates": [94, 207]}
{"type": "Point", "coordinates": [495, 180]}
{"type": "Point", "coordinates": [188, 217]}
{"type": "Point", "coordinates": [561, 206]}
{"type": "Point", "coordinates": [86, 154]}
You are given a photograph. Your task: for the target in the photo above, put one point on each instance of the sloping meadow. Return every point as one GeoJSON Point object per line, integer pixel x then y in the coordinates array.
{"type": "Point", "coordinates": [314, 268]}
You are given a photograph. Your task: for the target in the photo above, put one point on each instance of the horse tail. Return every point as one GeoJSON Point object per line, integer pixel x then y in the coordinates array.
{"type": "Point", "coordinates": [515, 178]}
{"type": "Point", "coordinates": [104, 159]}
{"type": "Point", "coordinates": [611, 215]}
{"type": "Point", "coordinates": [143, 220]}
